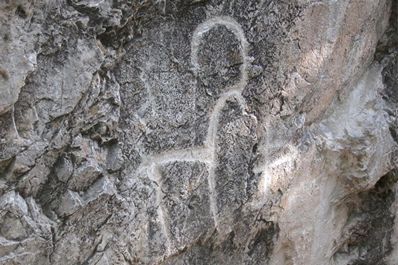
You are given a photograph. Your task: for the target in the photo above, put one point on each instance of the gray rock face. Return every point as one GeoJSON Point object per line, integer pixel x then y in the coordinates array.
{"type": "Point", "coordinates": [198, 132]}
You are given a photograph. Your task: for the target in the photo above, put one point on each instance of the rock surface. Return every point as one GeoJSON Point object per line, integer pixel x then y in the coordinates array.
{"type": "Point", "coordinates": [199, 132]}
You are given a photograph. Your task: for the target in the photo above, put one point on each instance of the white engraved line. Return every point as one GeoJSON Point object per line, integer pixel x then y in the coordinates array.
{"type": "Point", "coordinates": [206, 154]}
{"type": "Point", "coordinates": [151, 99]}
{"type": "Point", "coordinates": [215, 117]}
{"type": "Point", "coordinates": [210, 143]}
{"type": "Point", "coordinates": [187, 155]}
{"type": "Point", "coordinates": [234, 90]}
{"type": "Point", "coordinates": [163, 226]}
{"type": "Point", "coordinates": [233, 26]}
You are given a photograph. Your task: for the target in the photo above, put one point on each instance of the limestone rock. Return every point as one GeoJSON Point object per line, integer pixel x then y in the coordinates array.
{"type": "Point", "coordinates": [199, 132]}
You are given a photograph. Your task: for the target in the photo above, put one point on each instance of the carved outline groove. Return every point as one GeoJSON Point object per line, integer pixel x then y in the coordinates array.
{"type": "Point", "coordinates": [207, 153]}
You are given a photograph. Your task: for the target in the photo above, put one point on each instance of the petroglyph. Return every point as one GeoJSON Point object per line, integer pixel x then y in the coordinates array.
{"type": "Point", "coordinates": [237, 30]}
{"type": "Point", "coordinates": [207, 153]}
{"type": "Point", "coordinates": [155, 175]}
{"type": "Point", "coordinates": [127, 134]}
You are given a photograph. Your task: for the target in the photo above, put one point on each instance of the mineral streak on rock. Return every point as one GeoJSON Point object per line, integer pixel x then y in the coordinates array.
{"type": "Point", "coordinates": [198, 132]}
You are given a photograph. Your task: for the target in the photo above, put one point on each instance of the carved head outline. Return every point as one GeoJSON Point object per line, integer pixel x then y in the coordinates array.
{"type": "Point", "coordinates": [233, 26]}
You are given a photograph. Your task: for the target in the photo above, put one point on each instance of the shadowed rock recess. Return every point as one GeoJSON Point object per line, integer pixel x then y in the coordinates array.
{"type": "Point", "coordinates": [198, 132]}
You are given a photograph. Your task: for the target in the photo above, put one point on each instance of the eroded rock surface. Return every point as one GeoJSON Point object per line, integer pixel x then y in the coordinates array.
{"type": "Point", "coordinates": [198, 132]}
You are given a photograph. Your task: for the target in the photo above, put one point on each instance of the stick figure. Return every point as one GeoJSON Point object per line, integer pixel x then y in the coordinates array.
{"type": "Point", "coordinates": [206, 153]}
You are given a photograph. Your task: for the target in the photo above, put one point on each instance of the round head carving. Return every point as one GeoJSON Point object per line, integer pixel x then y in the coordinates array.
{"type": "Point", "coordinates": [219, 55]}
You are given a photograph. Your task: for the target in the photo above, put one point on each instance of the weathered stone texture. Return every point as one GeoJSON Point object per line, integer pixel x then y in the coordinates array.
{"type": "Point", "coordinates": [198, 132]}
